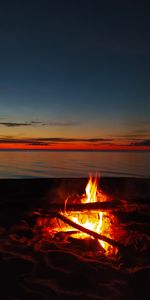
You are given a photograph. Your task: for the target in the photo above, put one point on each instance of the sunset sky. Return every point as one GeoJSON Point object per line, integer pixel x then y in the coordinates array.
{"type": "Point", "coordinates": [75, 74]}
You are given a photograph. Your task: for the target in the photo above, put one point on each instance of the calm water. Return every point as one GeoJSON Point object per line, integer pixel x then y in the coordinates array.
{"type": "Point", "coordinates": [32, 164]}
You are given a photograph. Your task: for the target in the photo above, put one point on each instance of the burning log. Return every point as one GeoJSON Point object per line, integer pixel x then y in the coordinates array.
{"type": "Point", "coordinates": [89, 232]}
{"type": "Point", "coordinates": [81, 207]}
{"type": "Point", "coordinates": [80, 228]}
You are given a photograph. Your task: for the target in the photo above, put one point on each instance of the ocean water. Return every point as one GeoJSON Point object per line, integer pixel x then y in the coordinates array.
{"type": "Point", "coordinates": [34, 164]}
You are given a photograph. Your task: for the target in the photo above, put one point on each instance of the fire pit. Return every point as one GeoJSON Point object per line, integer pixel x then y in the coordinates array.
{"type": "Point", "coordinates": [88, 216]}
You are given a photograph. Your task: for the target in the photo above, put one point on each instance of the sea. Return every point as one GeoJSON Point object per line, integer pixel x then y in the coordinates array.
{"type": "Point", "coordinates": [59, 164]}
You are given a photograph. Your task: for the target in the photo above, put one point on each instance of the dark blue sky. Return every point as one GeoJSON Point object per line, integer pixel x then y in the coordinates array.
{"type": "Point", "coordinates": [81, 67]}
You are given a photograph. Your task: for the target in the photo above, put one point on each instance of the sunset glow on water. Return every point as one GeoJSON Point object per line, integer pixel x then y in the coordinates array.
{"type": "Point", "coordinates": [30, 164]}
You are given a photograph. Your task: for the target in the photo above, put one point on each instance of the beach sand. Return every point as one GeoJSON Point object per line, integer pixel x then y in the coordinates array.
{"type": "Point", "coordinates": [33, 266]}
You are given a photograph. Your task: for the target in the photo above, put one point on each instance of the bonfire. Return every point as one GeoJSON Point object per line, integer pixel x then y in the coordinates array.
{"type": "Point", "coordinates": [88, 216]}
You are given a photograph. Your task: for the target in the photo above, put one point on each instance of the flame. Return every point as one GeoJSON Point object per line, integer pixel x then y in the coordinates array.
{"type": "Point", "coordinates": [91, 220]}
{"type": "Point", "coordinates": [91, 191]}
{"type": "Point", "coordinates": [103, 223]}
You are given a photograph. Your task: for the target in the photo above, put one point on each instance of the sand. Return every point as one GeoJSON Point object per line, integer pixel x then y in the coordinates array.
{"type": "Point", "coordinates": [34, 266]}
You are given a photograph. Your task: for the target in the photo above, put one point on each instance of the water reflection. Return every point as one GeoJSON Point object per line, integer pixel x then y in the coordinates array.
{"type": "Point", "coordinates": [26, 164]}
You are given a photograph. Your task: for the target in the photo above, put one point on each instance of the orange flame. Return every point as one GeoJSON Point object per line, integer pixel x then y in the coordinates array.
{"type": "Point", "coordinates": [91, 220]}
{"type": "Point", "coordinates": [91, 190]}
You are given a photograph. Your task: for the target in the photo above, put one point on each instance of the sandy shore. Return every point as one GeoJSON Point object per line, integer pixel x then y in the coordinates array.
{"type": "Point", "coordinates": [33, 266]}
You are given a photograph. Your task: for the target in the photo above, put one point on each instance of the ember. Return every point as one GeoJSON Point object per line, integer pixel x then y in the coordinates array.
{"type": "Point", "coordinates": [79, 223]}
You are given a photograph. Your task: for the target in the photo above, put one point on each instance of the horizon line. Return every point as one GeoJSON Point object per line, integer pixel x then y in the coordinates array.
{"type": "Point", "coordinates": [76, 150]}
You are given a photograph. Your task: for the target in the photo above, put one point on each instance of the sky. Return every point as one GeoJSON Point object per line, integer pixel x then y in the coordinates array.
{"type": "Point", "coordinates": [74, 75]}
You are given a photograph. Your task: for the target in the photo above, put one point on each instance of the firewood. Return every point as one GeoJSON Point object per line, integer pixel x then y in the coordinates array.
{"type": "Point", "coordinates": [91, 206]}
{"type": "Point", "coordinates": [89, 232]}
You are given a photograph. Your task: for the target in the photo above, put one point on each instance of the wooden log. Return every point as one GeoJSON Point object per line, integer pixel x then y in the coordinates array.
{"type": "Point", "coordinates": [89, 232]}
{"type": "Point", "coordinates": [77, 207]}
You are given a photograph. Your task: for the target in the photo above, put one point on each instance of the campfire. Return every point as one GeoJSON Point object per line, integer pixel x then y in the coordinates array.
{"type": "Point", "coordinates": [82, 217]}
